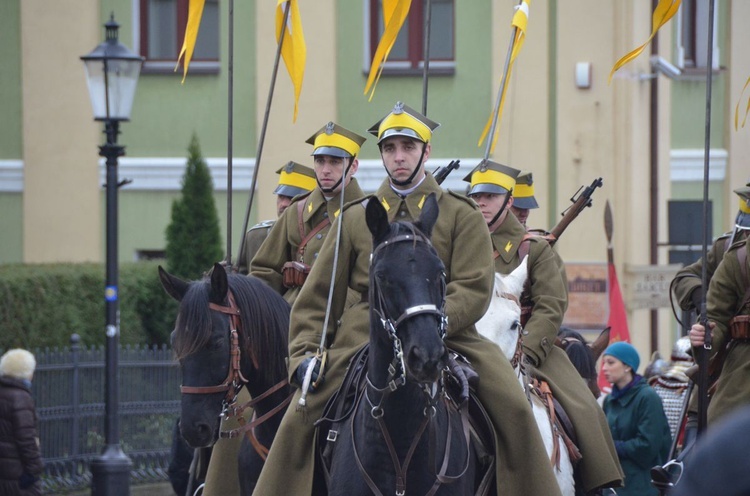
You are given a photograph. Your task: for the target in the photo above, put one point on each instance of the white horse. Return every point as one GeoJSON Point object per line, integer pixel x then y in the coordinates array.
{"type": "Point", "coordinates": [502, 325]}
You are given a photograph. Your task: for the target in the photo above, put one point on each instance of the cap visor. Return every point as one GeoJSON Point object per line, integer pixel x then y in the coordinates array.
{"type": "Point", "coordinates": [332, 151]}
{"type": "Point", "coordinates": [290, 191]}
{"type": "Point", "coordinates": [528, 203]}
{"type": "Point", "coordinates": [487, 188]}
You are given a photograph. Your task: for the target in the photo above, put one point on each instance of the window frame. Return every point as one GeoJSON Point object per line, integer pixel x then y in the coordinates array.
{"type": "Point", "coordinates": [160, 66]}
{"type": "Point", "coordinates": [414, 66]}
{"type": "Point", "coordinates": [699, 32]}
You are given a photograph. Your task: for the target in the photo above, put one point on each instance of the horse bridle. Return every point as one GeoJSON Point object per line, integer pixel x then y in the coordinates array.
{"type": "Point", "coordinates": [235, 381]}
{"type": "Point", "coordinates": [397, 370]}
{"type": "Point", "coordinates": [397, 377]}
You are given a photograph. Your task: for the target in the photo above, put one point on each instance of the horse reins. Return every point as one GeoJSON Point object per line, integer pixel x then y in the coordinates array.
{"type": "Point", "coordinates": [397, 378]}
{"type": "Point", "coordinates": [235, 381]}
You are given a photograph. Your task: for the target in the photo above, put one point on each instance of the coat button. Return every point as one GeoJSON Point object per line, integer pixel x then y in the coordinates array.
{"type": "Point", "coordinates": [319, 236]}
{"type": "Point", "coordinates": [402, 213]}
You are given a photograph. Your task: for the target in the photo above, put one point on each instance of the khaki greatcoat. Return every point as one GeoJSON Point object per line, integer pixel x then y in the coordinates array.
{"type": "Point", "coordinates": [548, 287]}
{"type": "Point", "coordinates": [726, 293]}
{"type": "Point", "coordinates": [284, 239]}
{"type": "Point", "coordinates": [254, 238]}
{"type": "Point", "coordinates": [461, 241]}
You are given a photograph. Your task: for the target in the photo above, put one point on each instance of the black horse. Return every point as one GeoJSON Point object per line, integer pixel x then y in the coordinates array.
{"type": "Point", "coordinates": [405, 435]}
{"type": "Point", "coordinates": [231, 331]}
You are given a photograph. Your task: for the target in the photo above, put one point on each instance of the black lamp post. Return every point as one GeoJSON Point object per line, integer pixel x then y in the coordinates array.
{"type": "Point", "coordinates": [112, 74]}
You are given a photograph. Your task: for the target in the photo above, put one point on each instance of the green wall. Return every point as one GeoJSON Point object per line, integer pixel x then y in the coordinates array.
{"type": "Point", "coordinates": [167, 113]}
{"type": "Point", "coordinates": [144, 216]}
{"type": "Point", "coordinates": [11, 144]}
{"type": "Point", "coordinates": [11, 227]}
{"type": "Point", "coordinates": [454, 100]}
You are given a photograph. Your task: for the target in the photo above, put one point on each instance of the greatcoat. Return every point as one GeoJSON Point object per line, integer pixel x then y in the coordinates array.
{"type": "Point", "coordinates": [19, 443]}
{"type": "Point", "coordinates": [461, 240]}
{"type": "Point", "coordinates": [284, 239]}
{"type": "Point", "coordinates": [726, 293]}
{"type": "Point", "coordinates": [599, 466]}
{"type": "Point", "coordinates": [254, 238]}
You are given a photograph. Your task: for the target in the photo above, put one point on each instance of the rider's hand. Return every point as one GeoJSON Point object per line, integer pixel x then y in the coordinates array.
{"type": "Point", "coordinates": [698, 334]}
{"type": "Point", "coordinates": [302, 370]}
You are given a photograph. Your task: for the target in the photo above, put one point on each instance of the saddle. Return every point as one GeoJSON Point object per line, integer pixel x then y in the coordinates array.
{"type": "Point", "coordinates": [343, 402]}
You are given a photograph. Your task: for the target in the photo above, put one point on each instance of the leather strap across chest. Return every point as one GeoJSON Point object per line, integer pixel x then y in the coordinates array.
{"type": "Point", "coordinates": [301, 226]}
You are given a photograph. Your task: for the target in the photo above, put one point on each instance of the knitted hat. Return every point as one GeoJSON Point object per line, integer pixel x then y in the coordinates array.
{"type": "Point", "coordinates": [625, 352]}
{"type": "Point", "coordinates": [18, 363]}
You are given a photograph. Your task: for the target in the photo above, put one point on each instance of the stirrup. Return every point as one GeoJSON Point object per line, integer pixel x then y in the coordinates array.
{"type": "Point", "coordinates": [662, 478]}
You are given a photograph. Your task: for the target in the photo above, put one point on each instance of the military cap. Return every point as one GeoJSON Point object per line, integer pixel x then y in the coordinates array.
{"type": "Point", "coordinates": [336, 141]}
{"type": "Point", "coordinates": [743, 217]}
{"type": "Point", "coordinates": [404, 121]}
{"type": "Point", "coordinates": [295, 179]}
{"type": "Point", "coordinates": [491, 177]}
{"type": "Point", "coordinates": [523, 193]}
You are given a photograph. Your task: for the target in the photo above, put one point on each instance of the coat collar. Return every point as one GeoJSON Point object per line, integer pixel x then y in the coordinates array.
{"type": "Point", "coordinates": [507, 238]}
{"type": "Point", "coordinates": [414, 201]}
{"type": "Point", "coordinates": [315, 201]}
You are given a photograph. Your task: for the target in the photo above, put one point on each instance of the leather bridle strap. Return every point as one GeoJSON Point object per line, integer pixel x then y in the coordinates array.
{"type": "Point", "coordinates": [234, 372]}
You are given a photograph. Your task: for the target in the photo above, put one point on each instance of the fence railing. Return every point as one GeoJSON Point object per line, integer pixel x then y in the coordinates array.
{"type": "Point", "coordinates": [68, 389]}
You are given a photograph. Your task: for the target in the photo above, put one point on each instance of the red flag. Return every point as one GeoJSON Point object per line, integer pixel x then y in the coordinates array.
{"type": "Point", "coordinates": [618, 321]}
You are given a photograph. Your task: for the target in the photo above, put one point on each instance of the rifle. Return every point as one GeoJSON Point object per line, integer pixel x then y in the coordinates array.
{"type": "Point", "coordinates": [442, 172]}
{"type": "Point", "coordinates": [581, 201]}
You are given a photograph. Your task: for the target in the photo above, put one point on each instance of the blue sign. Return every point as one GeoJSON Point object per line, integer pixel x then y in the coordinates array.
{"type": "Point", "coordinates": [110, 293]}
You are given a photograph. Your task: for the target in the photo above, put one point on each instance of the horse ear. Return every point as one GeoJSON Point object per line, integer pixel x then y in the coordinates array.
{"type": "Point", "coordinates": [516, 279]}
{"type": "Point", "coordinates": [174, 286]}
{"type": "Point", "coordinates": [219, 284]}
{"type": "Point", "coordinates": [600, 344]}
{"type": "Point", "coordinates": [429, 215]}
{"type": "Point", "coordinates": [377, 220]}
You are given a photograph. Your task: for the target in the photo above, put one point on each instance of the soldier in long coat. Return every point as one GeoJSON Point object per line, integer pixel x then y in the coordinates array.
{"type": "Point", "coordinates": [491, 187]}
{"type": "Point", "coordinates": [294, 180]}
{"type": "Point", "coordinates": [728, 312]}
{"type": "Point", "coordinates": [299, 233]}
{"type": "Point", "coordinates": [221, 476]}
{"type": "Point", "coordinates": [522, 464]}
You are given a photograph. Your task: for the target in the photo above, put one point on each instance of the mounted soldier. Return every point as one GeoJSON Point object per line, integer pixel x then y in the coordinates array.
{"type": "Point", "coordinates": [523, 198]}
{"type": "Point", "coordinates": [404, 138]}
{"type": "Point", "coordinates": [285, 258]}
{"type": "Point", "coordinates": [294, 180]}
{"type": "Point", "coordinates": [728, 312]}
{"type": "Point", "coordinates": [545, 300]}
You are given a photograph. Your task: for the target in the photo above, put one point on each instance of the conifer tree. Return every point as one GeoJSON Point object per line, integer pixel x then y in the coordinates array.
{"type": "Point", "coordinates": [193, 237]}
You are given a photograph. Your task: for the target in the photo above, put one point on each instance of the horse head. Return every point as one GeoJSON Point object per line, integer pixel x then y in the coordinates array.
{"type": "Point", "coordinates": [407, 294]}
{"type": "Point", "coordinates": [502, 321]}
{"type": "Point", "coordinates": [226, 324]}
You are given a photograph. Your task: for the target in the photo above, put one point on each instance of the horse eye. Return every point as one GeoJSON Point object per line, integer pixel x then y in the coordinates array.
{"type": "Point", "coordinates": [516, 324]}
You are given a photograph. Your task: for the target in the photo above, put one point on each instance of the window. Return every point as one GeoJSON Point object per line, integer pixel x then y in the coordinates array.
{"type": "Point", "coordinates": [692, 35]}
{"type": "Point", "coordinates": [162, 31]}
{"type": "Point", "coordinates": [407, 54]}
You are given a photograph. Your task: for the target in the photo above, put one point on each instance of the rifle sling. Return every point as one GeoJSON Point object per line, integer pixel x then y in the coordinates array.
{"type": "Point", "coordinates": [301, 225]}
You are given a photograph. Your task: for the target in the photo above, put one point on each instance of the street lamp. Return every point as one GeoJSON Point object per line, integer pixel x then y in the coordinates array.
{"type": "Point", "coordinates": [111, 74]}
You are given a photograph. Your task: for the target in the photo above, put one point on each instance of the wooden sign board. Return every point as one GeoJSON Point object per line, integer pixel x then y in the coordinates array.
{"type": "Point", "coordinates": [588, 303]}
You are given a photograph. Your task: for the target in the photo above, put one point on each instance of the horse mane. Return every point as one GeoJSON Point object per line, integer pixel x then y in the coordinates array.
{"type": "Point", "coordinates": [579, 352]}
{"type": "Point", "coordinates": [264, 322]}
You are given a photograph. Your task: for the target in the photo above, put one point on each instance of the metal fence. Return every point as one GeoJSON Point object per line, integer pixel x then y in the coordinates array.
{"type": "Point", "coordinates": [68, 389]}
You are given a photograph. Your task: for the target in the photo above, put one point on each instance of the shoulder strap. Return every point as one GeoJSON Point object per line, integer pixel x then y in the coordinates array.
{"type": "Point", "coordinates": [742, 259]}
{"type": "Point", "coordinates": [301, 225]}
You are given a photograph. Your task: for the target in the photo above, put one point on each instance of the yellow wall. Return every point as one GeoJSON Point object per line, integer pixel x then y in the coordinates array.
{"type": "Point", "coordinates": [60, 136]}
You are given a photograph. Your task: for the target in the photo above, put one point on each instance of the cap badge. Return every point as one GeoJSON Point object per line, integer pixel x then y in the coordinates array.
{"type": "Point", "coordinates": [289, 168]}
{"type": "Point", "coordinates": [330, 128]}
{"type": "Point", "coordinates": [398, 108]}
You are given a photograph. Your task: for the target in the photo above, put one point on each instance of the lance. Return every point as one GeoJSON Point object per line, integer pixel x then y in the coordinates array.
{"type": "Point", "coordinates": [230, 129]}
{"type": "Point", "coordinates": [702, 358]}
{"type": "Point", "coordinates": [503, 82]}
{"type": "Point", "coordinates": [264, 126]}
{"type": "Point", "coordinates": [426, 52]}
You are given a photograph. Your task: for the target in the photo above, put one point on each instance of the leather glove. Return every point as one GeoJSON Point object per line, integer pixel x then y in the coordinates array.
{"type": "Point", "coordinates": [302, 370]}
{"type": "Point", "coordinates": [695, 297]}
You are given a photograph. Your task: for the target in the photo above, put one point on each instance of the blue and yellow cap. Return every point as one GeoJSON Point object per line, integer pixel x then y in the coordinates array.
{"type": "Point", "coordinates": [404, 121]}
{"type": "Point", "coordinates": [295, 179]}
{"type": "Point", "coordinates": [523, 193]}
{"type": "Point", "coordinates": [491, 177]}
{"type": "Point", "coordinates": [336, 141]}
{"type": "Point", "coordinates": [743, 217]}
